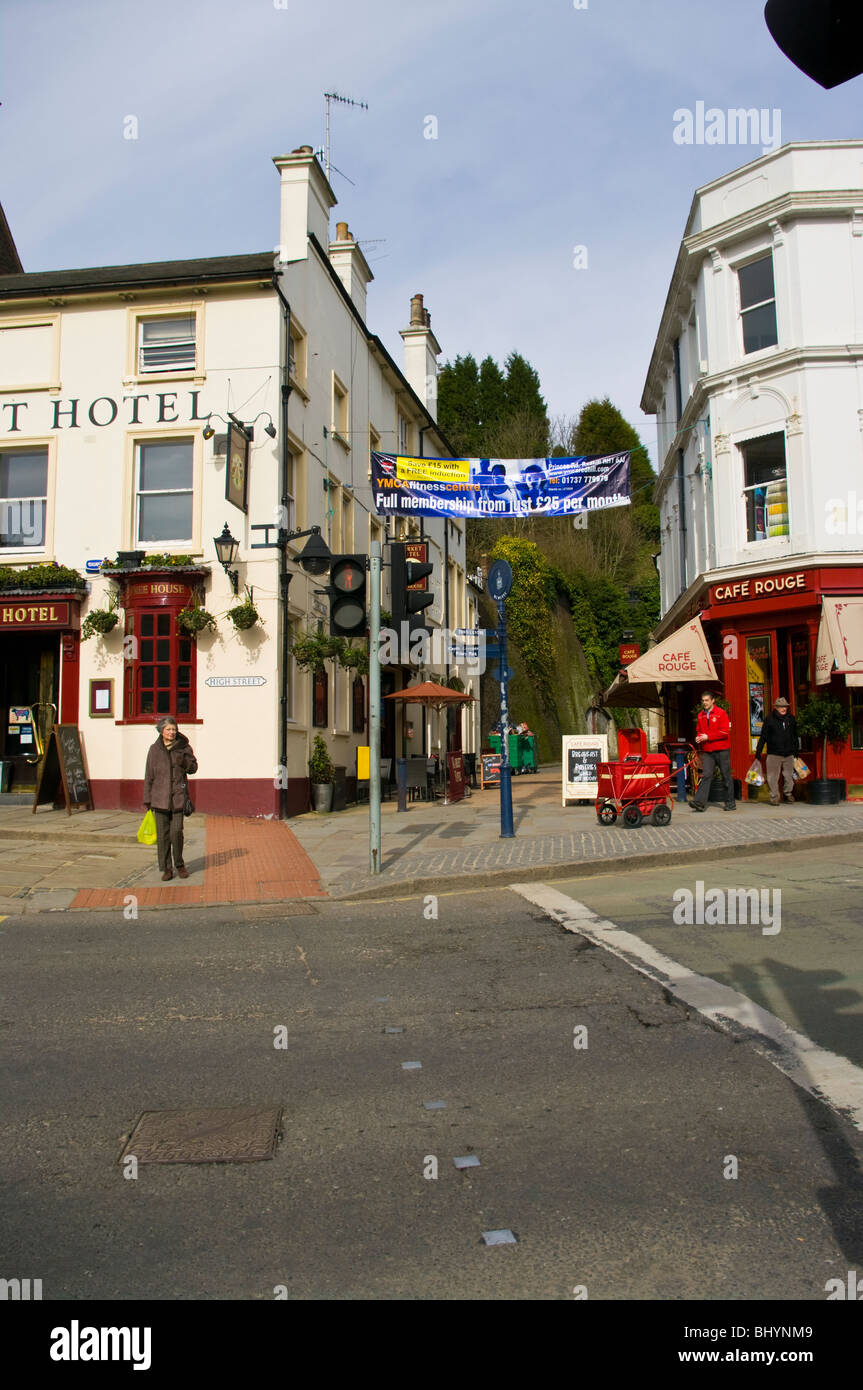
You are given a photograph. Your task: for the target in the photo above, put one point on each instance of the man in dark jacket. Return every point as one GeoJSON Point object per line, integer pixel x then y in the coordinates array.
{"type": "Point", "coordinates": [169, 759]}
{"type": "Point", "coordinates": [779, 736]}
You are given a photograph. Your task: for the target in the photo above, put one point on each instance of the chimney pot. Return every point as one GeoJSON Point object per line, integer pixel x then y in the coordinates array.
{"type": "Point", "coordinates": [417, 311]}
{"type": "Point", "coordinates": [342, 233]}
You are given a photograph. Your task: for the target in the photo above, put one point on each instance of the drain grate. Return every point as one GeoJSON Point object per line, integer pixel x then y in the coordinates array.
{"type": "Point", "coordinates": [238, 1134]}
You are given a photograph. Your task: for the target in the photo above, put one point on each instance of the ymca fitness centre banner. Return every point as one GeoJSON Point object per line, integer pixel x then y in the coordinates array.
{"type": "Point", "coordinates": [499, 487]}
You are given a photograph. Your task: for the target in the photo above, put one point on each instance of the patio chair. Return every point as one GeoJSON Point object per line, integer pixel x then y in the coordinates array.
{"type": "Point", "coordinates": [417, 778]}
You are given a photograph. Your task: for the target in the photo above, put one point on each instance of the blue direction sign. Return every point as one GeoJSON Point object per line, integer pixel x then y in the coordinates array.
{"type": "Point", "coordinates": [500, 580]}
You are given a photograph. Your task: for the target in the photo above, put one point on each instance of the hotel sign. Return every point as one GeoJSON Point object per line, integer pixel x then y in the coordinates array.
{"type": "Point", "coordinates": [21, 613]}
{"type": "Point", "coordinates": [765, 586]}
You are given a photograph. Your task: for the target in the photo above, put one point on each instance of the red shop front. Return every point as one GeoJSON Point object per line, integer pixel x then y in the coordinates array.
{"type": "Point", "coordinates": [39, 671]}
{"type": "Point", "coordinates": [764, 628]}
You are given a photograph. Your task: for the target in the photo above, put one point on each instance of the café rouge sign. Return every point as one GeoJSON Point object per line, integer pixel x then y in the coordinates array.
{"type": "Point", "coordinates": [765, 586]}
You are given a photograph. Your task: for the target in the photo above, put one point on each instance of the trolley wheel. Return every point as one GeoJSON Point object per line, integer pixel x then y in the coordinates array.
{"type": "Point", "coordinates": [607, 814]}
{"type": "Point", "coordinates": [632, 817]}
{"type": "Point", "coordinates": [661, 814]}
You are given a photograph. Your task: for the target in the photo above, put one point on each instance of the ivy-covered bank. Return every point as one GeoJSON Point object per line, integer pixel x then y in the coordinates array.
{"type": "Point", "coordinates": [563, 634]}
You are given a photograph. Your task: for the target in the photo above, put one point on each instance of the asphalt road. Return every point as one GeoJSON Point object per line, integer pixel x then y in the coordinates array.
{"type": "Point", "coordinates": [606, 1161]}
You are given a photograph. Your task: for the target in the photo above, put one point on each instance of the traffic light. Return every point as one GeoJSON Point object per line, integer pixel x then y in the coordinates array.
{"type": "Point", "coordinates": [409, 594]}
{"type": "Point", "coordinates": [348, 596]}
{"type": "Point", "coordinates": [821, 37]}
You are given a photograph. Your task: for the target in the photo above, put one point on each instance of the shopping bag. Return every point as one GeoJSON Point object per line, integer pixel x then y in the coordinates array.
{"type": "Point", "coordinates": [800, 768]}
{"type": "Point", "coordinates": [147, 829]}
{"type": "Point", "coordinates": [755, 777]}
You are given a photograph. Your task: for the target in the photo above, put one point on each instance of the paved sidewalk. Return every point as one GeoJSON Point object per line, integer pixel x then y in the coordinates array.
{"type": "Point", "coordinates": [51, 862]}
{"type": "Point", "coordinates": [432, 846]}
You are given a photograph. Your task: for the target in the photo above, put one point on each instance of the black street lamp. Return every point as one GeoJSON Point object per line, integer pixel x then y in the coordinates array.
{"type": "Point", "coordinates": [226, 550]}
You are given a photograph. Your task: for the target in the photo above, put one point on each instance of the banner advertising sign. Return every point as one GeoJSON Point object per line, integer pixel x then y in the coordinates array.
{"type": "Point", "coordinates": [499, 487]}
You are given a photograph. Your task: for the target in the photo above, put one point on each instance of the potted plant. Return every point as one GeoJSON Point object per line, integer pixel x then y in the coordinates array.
{"type": "Point", "coordinates": [244, 615]}
{"type": "Point", "coordinates": [321, 774]}
{"type": "Point", "coordinates": [825, 717]}
{"type": "Point", "coordinates": [194, 619]}
{"type": "Point", "coordinates": [101, 620]}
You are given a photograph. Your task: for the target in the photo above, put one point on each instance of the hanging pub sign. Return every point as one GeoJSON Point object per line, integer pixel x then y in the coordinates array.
{"type": "Point", "coordinates": [237, 472]}
{"type": "Point", "coordinates": [499, 487]}
{"type": "Point", "coordinates": [628, 652]}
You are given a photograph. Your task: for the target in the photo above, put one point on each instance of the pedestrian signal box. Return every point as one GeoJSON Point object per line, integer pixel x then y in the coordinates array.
{"type": "Point", "coordinates": [347, 593]}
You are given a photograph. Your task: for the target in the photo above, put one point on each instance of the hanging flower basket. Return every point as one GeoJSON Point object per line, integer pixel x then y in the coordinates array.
{"type": "Point", "coordinates": [244, 616]}
{"type": "Point", "coordinates": [101, 621]}
{"type": "Point", "coordinates": [191, 621]}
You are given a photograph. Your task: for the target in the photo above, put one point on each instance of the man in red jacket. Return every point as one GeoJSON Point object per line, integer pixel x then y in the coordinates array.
{"type": "Point", "coordinates": [713, 738]}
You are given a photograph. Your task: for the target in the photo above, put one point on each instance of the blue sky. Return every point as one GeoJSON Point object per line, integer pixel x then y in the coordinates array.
{"type": "Point", "coordinates": [554, 130]}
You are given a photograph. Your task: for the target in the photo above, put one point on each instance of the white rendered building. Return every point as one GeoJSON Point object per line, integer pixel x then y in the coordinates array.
{"type": "Point", "coordinates": [756, 381]}
{"type": "Point", "coordinates": [117, 385]}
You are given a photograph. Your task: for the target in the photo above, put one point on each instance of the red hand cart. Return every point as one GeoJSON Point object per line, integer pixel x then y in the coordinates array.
{"type": "Point", "coordinates": [637, 786]}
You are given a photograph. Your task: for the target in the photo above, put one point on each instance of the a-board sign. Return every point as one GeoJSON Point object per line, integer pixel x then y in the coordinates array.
{"type": "Point", "coordinates": [455, 776]}
{"type": "Point", "coordinates": [489, 769]}
{"type": "Point", "coordinates": [62, 775]}
{"type": "Point", "coordinates": [582, 754]}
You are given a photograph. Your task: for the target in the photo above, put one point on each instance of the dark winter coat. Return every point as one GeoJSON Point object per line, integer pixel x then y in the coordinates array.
{"type": "Point", "coordinates": [779, 733]}
{"type": "Point", "coordinates": [165, 785]}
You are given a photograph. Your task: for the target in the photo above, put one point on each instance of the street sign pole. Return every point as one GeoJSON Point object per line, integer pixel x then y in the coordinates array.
{"type": "Point", "coordinates": [499, 587]}
{"type": "Point", "coordinates": [507, 831]}
{"type": "Point", "coordinates": [375, 709]}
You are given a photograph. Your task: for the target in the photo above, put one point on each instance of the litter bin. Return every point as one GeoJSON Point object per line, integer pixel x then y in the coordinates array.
{"type": "Point", "coordinates": [527, 753]}
{"type": "Point", "coordinates": [5, 776]}
{"type": "Point", "coordinates": [514, 752]}
{"type": "Point", "coordinates": [340, 789]}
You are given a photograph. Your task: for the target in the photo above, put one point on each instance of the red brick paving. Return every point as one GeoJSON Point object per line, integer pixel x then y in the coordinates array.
{"type": "Point", "coordinates": [246, 860]}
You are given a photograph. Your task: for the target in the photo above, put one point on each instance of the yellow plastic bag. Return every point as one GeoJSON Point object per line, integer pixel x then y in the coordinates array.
{"type": "Point", "coordinates": [147, 829]}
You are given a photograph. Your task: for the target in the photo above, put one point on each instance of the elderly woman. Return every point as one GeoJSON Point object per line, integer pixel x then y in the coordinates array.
{"type": "Point", "coordinates": [166, 790]}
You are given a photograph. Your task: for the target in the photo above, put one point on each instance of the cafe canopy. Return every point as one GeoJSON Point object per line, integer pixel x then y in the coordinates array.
{"type": "Point", "coordinates": [681, 656]}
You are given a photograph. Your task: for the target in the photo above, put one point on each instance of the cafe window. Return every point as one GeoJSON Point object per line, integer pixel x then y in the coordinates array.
{"type": "Point", "coordinates": [759, 675]}
{"type": "Point", "coordinates": [765, 487]}
{"type": "Point", "coordinates": [857, 720]}
{"type": "Point", "coordinates": [160, 669]}
{"type": "Point", "coordinates": [320, 700]}
{"type": "Point", "coordinates": [164, 491]}
{"type": "Point", "coordinates": [166, 344]}
{"type": "Point", "coordinates": [23, 499]}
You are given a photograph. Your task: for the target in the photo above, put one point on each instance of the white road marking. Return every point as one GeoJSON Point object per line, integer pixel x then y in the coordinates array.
{"type": "Point", "coordinates": [825, 1075]}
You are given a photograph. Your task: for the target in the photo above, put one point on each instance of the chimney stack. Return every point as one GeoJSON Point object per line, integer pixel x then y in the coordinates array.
{"type": "Point", "coordinates": [306, 202]}
{"type": "Point", "coordinates": [421, 354]}
{"type": "Point", "coordinates": [351, 266]}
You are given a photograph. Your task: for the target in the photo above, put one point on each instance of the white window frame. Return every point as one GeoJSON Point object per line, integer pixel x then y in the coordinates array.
{"type": "Point", "coordinates": [298, 359]}
{"type": "Point", "coordinates": [32, 447]}
{"type": "Point", "coordinates": [340, 412]}
{"type": "Point", "coordinates": [137, 317]}
{"type": "Point", "coordinates": [183, 541]}
{"type": "Point", "coordinates": [741, 446]}
{"type": "Point", "coordinates": [750, 308]}
{"type": "Point", "coordinates": [403, 435]}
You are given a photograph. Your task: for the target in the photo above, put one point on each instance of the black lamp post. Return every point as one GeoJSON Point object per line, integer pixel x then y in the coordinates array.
{"type": "Point", "coordinates": [226, 549]}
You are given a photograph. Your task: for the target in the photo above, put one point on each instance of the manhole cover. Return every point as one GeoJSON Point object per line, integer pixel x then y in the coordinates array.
{"type": "Point", "coordinates": [239, 1134]}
